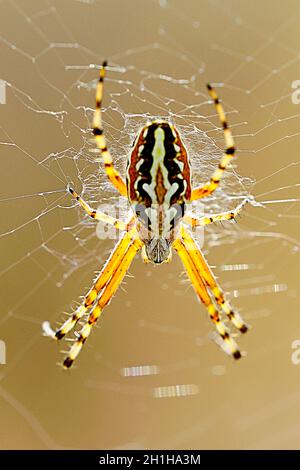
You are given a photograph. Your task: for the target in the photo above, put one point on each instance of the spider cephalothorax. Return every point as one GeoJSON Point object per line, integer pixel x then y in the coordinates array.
{"type": "Point", "coordinates": [157, 187]}
{"type": "Point", "coordinates": [157, 250]}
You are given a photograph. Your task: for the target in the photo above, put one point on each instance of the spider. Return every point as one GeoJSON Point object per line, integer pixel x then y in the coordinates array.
{"type": "Point", "coordinates": [158, 186]}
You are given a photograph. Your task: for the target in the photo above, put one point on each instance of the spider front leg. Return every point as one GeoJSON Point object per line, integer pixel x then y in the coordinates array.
{"type": "Point", "coordinates": [210, 219]}
{"type": "Point", "coordinates": [98, 131]}
{"type": "Point", "coordinates": [228, 343]}
{"type": "Point", "coordinates": [210, 281]}
{"type": "Point", "coordinates": [98, 215]}
{"type": "Point", "coordinates": [102, 279]}
{"type": "Point", "coordinates": [102, 301]}
{"type": "Point", "coordinates": [229, 152]}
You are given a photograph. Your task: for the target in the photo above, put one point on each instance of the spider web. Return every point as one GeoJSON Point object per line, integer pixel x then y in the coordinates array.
{"type": "Point", "coordinates": [149, 377]}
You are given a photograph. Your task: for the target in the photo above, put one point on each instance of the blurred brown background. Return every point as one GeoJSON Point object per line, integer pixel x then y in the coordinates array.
{"type": "Point", "coordinates": [161, 54]}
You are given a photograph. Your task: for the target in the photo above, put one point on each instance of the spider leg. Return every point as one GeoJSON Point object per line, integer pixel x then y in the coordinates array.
{"type": "Point", "coordinates": [210, 219]}
{"type": "Point", "coordinates": [210, 280]}
{"type": "Point", "coordinates": [98, 215]}
{"type": "Point", "coordinates": [102, 301]}
{"type": "Point", "coordinates": [228, 343]}
{"type": "Point", "coordinates": [229, 152]}
{"type": "Point", "coordinates": [144, 255]}
{"type": "Point", "coordinates": [102, 279]}
{"type": "Point", "coordinates": [111, 172]}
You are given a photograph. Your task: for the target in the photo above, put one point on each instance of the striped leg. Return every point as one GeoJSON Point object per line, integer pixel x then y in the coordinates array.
{"type": "Point", "coordinates": [97, 215]}
{"type": "Point", "coordinates": [230, 215]}
{"type": "Point", "coordinates": [228, 343]}
{"type": "Point", "coordinates": [111, 172]}
{"type": "Point", "coordinates": [102, 301]}
{"type": "Point", "coordinates": [209, 279]}
{"type": "Point", "coordinates": [212, 185]}
{"type": "Point", "coordinates": [102, 279]}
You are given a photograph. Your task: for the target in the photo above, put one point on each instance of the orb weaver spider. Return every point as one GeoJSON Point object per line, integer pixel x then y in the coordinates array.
{"type": "Point", "coordinates": [158, 186]}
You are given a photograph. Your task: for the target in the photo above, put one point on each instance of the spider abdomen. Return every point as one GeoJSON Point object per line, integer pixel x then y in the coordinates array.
{"type": "Point", "coordinates": [158, 178]}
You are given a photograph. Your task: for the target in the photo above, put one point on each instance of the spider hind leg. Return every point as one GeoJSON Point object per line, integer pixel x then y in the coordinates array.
{"type": "Point", "coordinates": [114, 264]}
{"type": "Point", "coordinates": [229, 345]}
{"type": "Point", "coordinates": [103, 300]}
{"type": "Point", "coordinates": [211, 282]}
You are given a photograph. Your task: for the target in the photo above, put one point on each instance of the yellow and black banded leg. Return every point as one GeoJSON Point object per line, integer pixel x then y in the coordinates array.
{"type": "Point", "coordinates": [102, 279]}
{"type": "Point", "coordinates": [102, 301]}
{"type": "Point", "coordinates": [229, 152]}
{"type": "Point", "coordinates": [228, 343]}
{"type": "Point", "coordinates": [98, 215]}
{"type": "Point", "coordinates": [210, 219]}
{"type": "Point", "coordinates": [210, 281]}
{"type": "Point", "coordinates": [111, 172]}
